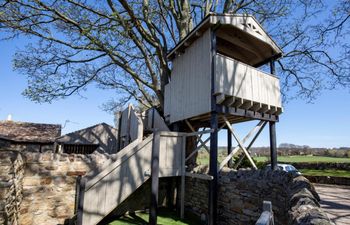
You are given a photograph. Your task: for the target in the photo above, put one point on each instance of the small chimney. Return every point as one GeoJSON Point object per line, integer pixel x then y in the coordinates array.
{"type": "Point", "coordinates": [9, 117]}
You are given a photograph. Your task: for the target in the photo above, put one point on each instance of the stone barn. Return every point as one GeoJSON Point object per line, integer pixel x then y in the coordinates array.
{"type": "Point", "coordinates": [25, 136]}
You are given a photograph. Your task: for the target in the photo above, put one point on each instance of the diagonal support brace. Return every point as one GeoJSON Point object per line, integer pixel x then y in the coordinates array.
{"type": "Point", "coordinates": [258, 128]}
{"type": "Point", "coordinates": [239, 142]}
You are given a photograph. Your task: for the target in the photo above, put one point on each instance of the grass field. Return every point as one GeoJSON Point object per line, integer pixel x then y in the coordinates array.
{"type": "Point", "coordinates": [305, 159]}
{"type": "Point", "coordinates": [165, 217]}
{"type": "Point", "coordinates": [329, 172]}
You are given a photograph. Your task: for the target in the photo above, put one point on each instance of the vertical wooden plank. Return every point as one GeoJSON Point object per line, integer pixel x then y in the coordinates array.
{"type": "Point", "coordinates": [154, 179]}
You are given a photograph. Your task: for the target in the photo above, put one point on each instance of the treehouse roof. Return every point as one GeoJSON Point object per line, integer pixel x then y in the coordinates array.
{"type": "Point", "coordinates": [235, 33]}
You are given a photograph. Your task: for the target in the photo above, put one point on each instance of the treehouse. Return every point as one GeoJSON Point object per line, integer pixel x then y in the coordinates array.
{"type": "Point", "coordinates": [215, 82]}
{"type": "Point", "coordinates": [217, 64]}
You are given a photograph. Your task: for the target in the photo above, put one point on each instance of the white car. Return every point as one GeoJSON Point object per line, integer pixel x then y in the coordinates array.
{"type": "Point", "coordinates": [285, 167]}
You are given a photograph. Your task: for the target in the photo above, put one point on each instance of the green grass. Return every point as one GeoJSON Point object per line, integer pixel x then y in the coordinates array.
{"type": "Point", "coordinates": [327, 172]}
{"type": "Point", "coordinates": [165, 217]}
{"type": "Point", "coordinates": [305, 159]}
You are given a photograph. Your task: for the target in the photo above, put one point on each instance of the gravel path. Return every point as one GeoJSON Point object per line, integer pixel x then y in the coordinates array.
{"type": "Point", "coordinates": [335, 201]}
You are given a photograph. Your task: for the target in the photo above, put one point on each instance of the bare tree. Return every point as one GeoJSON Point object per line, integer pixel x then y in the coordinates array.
{"type": "Point", "coordinates": [122, 45]}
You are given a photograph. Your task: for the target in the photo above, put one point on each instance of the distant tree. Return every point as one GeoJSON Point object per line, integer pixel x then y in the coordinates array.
{"type": "Point", "coordinates": [122, 45]}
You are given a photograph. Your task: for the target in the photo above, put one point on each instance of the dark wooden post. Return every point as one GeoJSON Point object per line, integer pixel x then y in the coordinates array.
{"type": "Point", "coordinates": [213, 169]}
{"type": "Point", "coordinates": [213, 163]}
{"type": "Point", "coordinates": [273, 144]}
{"type": "Point", "coordinates": [154, 179]}
{"type": "Point", "coordinates": [229, 146]}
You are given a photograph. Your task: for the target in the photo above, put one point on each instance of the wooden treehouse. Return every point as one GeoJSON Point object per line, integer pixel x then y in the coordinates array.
{"type": "Point", "coordinates": [215, 67]}
{"type": "Point", "coordinates": [215, 82]}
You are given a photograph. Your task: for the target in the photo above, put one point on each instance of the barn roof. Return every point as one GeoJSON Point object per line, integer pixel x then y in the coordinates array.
{"type": "Point", "coordinates": [29, 132]}
{"type": "Point", "coordinates": [243, 30]}
{"type": "Point", "coordinates": [95, 134]}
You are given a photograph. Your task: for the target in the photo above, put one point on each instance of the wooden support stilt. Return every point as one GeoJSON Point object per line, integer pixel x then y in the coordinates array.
{"type": "Point", "coordinates": [154, 180]}
{"type": "Point", "coordinates": [273, 146]}
{"type": "Point", "coordinates": [213, 169]}
{"type": "Point", "coordinates": [229, 147]}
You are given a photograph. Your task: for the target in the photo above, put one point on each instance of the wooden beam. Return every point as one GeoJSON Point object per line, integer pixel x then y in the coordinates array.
{"type": "Point", "coordinates": [264, 108]}
{"type": "Point", "coordinates": [256, 106]}
{"type": "Point", "coordinates": [240, 143]}
{"type": "Point", "coordinates": [238, 102]}
{"type": "Point", "coordinates": [247, 104]}
{"type": "Point", "coordinates": [220, 98]}
{"type": "Point", "coordinates": [193, 130]}
{"type": "Point", "coordinates": [197, 149]}
{"type": "Point", "coordinates": [250, 145]}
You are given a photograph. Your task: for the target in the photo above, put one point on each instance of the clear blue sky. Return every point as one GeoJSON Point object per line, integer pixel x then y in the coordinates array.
{"type": "Point", "coordinates": [325, 123]}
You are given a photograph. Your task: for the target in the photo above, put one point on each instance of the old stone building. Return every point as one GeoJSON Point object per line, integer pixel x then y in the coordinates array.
{"type": "Point", "coordinates": [25, 136]}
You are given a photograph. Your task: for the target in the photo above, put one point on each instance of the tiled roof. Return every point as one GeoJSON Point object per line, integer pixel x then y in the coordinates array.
{"type": "Point", "coordinates": [29, 132]}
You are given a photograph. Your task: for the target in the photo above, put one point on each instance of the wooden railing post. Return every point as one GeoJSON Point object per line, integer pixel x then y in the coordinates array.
{"type": "Point", "coordinates": [80, 201]}
{"type": "Point", "coordinates": [154, 179]}
{"type": "Point", "coordinates": [183, 173]}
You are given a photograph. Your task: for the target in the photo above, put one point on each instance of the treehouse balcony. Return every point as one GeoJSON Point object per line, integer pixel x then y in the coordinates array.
{"type": "Point", "coordinates": [217, 67]}
{"type": "Point", "coordinates": [242, 86]}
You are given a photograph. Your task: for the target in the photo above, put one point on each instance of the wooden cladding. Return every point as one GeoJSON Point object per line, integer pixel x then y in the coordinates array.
{"type": "Point", "coordinates": [242, 86]}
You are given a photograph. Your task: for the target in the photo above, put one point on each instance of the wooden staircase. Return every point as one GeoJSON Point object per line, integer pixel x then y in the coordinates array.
{"type": "Point", "coordinates": [100, 194]}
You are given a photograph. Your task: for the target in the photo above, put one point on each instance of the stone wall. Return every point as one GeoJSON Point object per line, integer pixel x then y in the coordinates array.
{"type": "Point", "coordinates": [49, 185]}
{"type": "Point", "coordinates": [242, 192]}
{"type": "Point", "coordinates": [11, 175]}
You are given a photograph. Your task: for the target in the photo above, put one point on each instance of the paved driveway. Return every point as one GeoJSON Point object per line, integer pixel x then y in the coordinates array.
{"type": "Point", "coordinates": [335, 201]}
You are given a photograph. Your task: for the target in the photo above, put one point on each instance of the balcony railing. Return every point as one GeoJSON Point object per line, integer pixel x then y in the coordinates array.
{"type": "Point", "coordinates": [242, 86]}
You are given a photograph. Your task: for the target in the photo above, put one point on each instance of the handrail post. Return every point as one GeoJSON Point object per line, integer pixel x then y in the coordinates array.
{"type": "Point", "coordinates": [154, 179]}
{"type": "Point", "coordinates": [183, 173]}
{"type": "Point", "coordinates": [80, 210]}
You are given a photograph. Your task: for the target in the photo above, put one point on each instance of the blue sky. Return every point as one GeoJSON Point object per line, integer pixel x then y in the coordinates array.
{"type": "Point", "coordinates": [325, 123]}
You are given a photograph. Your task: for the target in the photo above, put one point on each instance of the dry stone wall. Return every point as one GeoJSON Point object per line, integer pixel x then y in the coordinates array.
{"type": "Point", "coordinates": [11, 176]}
{"type": "Point", "coordinates": [241, 194]}
{"type": "Point", "coordinates": [49, 185]}
{"type": "Point", "coordinates": [39, 188]}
